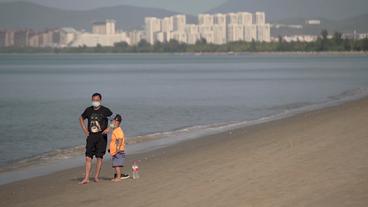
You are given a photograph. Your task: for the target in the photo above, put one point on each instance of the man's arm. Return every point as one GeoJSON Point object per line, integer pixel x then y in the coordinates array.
{"type": "Point", "coordinates": [83, 126]}
{"type": "Point", "coordinates": [108, 114]}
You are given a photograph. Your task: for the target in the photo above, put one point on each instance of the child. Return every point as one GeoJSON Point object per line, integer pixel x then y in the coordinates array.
{"type": "Point", "coordinates": [117, 149]}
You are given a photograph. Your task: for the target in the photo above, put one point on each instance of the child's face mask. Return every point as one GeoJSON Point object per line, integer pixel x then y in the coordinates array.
{"type": "Point", "coordinates": [113, 124]}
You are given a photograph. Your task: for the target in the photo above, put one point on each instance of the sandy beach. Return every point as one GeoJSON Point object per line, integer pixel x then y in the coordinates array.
{"type": "Point", "coordinates": [318, 158]}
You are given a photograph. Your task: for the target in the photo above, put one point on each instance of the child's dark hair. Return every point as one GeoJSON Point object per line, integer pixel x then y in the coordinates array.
{"type": "Point", "coordinates": [118, 118]}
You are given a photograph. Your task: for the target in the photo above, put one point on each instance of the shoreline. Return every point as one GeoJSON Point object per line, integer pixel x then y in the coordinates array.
{"type": "Point", "coordinates": [298, 53]}
{"type": "Point", "coordinates": [318, 156]}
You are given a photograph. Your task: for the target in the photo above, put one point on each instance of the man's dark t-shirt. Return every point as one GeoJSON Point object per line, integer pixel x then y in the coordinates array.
{"type": "Point", "coordinates": [97, 119]}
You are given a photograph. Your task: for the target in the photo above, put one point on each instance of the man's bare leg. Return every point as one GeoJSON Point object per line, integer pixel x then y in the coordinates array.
{"type": "Point", "coordinates": [98, 169]}
{"type": "Point", "coordinates": [88, 171]}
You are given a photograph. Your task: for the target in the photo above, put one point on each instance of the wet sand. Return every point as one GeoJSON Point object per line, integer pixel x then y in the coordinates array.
{"type": "Point", "coordinates": [318, 158]}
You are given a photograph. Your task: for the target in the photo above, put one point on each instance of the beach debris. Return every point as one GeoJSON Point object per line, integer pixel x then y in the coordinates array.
{"type": "Point", "coordinates": [135, 169]}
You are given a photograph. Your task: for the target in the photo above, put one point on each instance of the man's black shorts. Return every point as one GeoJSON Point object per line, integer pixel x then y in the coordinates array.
{"type": "Point", "coordinates": [96, 145]}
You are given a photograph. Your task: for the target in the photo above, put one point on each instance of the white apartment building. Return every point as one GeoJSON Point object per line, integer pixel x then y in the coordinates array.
{"type": "Point", "coordinates": [179, 36]}
{"type": "Point", "coordinates": [192, 33]}
{"type": "Point", "coordinates": [219, 32]}
{"type": "Point", "coordinates": [160, 37]}
{"type": "Point", "coordinates": [250, 32]}
{"type": "Point", "coordinates": [135, 36]}
{"type": "Point", "coordinates": [260, 18]}
{"type": "Point", "coordinates": [167, 26]}
{"type": "Point", "coordinates": [103, 33]}
{"type": "Point", "coordinates": [152, 26]}
{"type": "Point", "coordinates": [92, 40]}
{"type": "Point", "coordinates": [219, 19]}
{"type": "Point", "coordinates": [235, 32]}
{"type": "Point", "coordinates": [245, 18]}
{"type": "Point", "coordinates": [179, 22]}
{"type": "Point", "coordinates": [263, 33]}
{"type": "Point", "coordinates": [232, 19]}
{"type": "Point", "coordinates": [107, 27]}
{"type": "Point", "coordinates": [205, 19]}
{"type": "Point", "coordinates": [215, 28]}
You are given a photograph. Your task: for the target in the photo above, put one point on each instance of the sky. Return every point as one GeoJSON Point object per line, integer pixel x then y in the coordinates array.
{"type": "Point", "coordinates": [183, 6]}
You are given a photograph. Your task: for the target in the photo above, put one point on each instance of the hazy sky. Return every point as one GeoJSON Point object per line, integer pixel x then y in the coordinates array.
{"type": "Point", "coordinates": [186, 6]}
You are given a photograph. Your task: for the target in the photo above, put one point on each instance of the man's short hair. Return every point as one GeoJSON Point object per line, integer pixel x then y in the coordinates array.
{"type": "Point", "coordinates": [97, 94]}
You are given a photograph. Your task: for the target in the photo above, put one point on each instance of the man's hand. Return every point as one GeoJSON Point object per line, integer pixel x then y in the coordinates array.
{"type": "Point", "coordinates": [86, 132]}
{"type": "Point", "coordinates": [84, 128]}
{"type": "Point", "coordinates": [106, 131]}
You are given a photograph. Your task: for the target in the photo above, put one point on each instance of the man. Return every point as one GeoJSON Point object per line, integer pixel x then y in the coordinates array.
{"type": "Point", "coordinates": [96, 133]}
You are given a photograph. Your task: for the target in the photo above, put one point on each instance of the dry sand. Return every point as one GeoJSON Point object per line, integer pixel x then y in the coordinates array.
{"type": "Point", "coordinates": [317, 158]}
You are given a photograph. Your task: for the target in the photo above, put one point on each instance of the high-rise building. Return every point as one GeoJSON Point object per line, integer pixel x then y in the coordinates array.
{"type": "Point", "coordinates": [160, 37]}
{"type": "Point", "coordinates": [191, 28]}
{"type": "Point", "coordinates": [167, 26]}
{"type": "Point", "coordinates": [260, 18]}
{"type": "Point", "coordinates": [179, 22]}
{"type": "Point", "coordinates": [235, 33]}
{"type": "Point", "coordinates": [9, 38]}
{"type": "Point", "coordinates": [107, 27]}
{"type": "Point", "coordinates": [67, 36]}
{"type": "Point", "coordinates": [205, 19]}
{"type": "Point", "coordinates": [263, 33]}
{"type": "Point", "coordinates": [204, 28]}
{"type": "Point", "coordinates": [152, 26]}
{"type": "Point", "coordinates": [179, 36]}
{"type": "Point", "coordinates": [21, 38]}
{"type": "Point", "coordinates": [245, 18]}
{"type": "Point", "coordinates": [219, 32]}
{"type": "Point", "coordinates": [208, 36]}
{"type": "Point", "coordinates": [219, 19]}
{"type": "Point", "coordinates": [219, 29]}
{"type": "Point", "coordinates": [135, 36]}
{"type": "Point", "coordinates": [192, 33]}
{"type": "Point", "coordinates": [232, 19]}
{"type": "Point", "coordinates": [2, 38]}
{"type": "Point", "coordinates": [250, 32]}
{"type": "Point", "coordinates": [193, 38]}
{"type": "Point", "coordinates": [34, 40]}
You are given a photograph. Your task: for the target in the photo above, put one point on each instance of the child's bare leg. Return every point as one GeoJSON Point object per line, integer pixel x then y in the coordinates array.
{"type": "Point", "coordinates": [118, 174]}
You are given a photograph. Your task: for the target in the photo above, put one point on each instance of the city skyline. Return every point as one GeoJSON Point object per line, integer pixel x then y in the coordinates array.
{"type": "Point", "coordinates": [218, 29]}
{"type": "Point", "coordinates": [213, 28]}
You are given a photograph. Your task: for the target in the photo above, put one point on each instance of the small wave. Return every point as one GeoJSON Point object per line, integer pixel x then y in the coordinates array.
{"type": "Point", "coordinates": [58, 154]}
{"type": "Point", "coordinates": [350, 93]}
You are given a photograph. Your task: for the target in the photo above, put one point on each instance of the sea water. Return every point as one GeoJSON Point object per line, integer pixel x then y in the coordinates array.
{"type": "Point", "coordinates": [169, 96]}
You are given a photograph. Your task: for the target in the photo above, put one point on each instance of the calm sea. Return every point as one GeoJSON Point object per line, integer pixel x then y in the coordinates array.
{"type": "Point", "coordinates": [43, 95]}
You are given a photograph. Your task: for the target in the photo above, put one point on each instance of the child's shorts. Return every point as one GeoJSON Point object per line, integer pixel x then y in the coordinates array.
{"type": "Point", "coordinates": [118, 159]}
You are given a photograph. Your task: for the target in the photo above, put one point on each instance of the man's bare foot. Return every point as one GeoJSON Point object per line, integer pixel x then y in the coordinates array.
{"type": "Point", "coordinates": [97, 180]}
{"type": "Point", "coordinates": [84, 181]}
{"type": "Point", "coordinates": [116, 180]}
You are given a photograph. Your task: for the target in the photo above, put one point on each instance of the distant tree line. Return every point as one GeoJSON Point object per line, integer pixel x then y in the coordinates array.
{"type": "Point", "coordinates": [323, 43]}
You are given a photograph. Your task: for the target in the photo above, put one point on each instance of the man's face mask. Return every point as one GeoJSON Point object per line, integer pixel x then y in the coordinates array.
{"type": "Point", "coordinates": [96, 104]}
